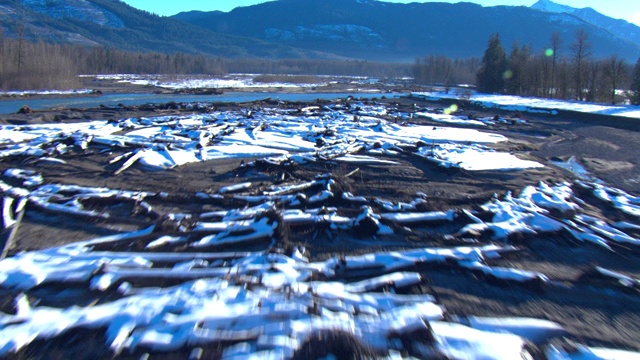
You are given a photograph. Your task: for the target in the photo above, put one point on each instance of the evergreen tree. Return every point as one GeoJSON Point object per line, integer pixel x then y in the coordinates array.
{"type": "Point", "coordinates": [517, 67]}
{"type": "Point", "coordinates": [490, 77]}
{"type": "Point", "coordinates": [635, 85]}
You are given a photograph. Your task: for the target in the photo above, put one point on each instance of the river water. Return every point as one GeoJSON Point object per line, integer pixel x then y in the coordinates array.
{"type": "Point", "coordinates": [12, 105]}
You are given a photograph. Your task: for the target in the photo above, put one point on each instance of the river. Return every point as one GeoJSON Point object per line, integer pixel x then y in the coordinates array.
{"type": "Point", "coordinates": [11, 105]}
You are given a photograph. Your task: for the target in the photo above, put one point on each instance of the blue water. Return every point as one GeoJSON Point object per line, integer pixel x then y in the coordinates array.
{"type": "Point", "coordinates": [12, 105]}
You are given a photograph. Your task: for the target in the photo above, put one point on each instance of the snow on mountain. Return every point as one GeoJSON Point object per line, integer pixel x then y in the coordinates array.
{"type": "Point", "coordinates": [76, 9]}
{"type": "Point", "coordinates": [550, 6]}
{"type": "Point", "coordinates": [363, 36]}
{"type": "Point", "coordinates": [620, 28]}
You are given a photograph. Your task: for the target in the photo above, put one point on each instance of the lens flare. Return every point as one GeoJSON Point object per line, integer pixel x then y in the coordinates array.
{"type": "Point", "coordinates": [451, 109]}
{"type": "Point", "coordinates": [548, 52]}
{"type": "Point", "coordinates": [507, 75]}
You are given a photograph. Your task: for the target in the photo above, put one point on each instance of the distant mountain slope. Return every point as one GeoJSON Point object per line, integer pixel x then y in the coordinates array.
{"type": "Point", "coordinates": [620, 28]}
{"type": "Point", "coordinates": [115, 24]}
{"type": "Point", "coordinates": [550, 6]}
{"type": "Point", "coordinates": [376, 30]}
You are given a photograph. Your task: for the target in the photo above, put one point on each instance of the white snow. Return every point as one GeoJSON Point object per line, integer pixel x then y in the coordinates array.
{"type": "Point", "coordinates": [266, 303]}
{"type": "Point", "coordinates": [229, 81]}
{"type": "Point", "coordinates": [419, 217]}
{"type": "Point", "coordinates": [535, 330]}
{"type": "Point", "coordinates": [530, 213]}
{"type": "Point", "coordinates": [215, 303]}
{"type": "Point", "coordinates": [530, 104]}
{"type": "Point", "coordinates": [45, 92]}
{"type": "Point", "coordinates": [270, 302]}
{"type": "Point", "coordinates": [575, 167]}
{"type": "Point", "coordinates": [618, 198]}
{"type": "Point", "coordinates": [587, 353]}
{"type": "Point", "coordinates": [165, 142]}
{"type": "Point", "coordinates": [474, 158]}
{"type": "Point", "coordinates": [450, 119]}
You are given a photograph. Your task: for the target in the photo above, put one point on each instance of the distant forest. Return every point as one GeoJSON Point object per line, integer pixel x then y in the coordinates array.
{"type": "Point", "coordinates": [27, 65]}
{"type": "Point", "coordinates": [575, 75]}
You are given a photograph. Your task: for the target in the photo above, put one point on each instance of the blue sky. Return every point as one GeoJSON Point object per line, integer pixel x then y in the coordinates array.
{"type": "Point", "coordinates": [619, 9]}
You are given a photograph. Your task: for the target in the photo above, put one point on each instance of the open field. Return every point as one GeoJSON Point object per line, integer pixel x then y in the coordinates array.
{"type": "Point", "coordinates": [397, 227]}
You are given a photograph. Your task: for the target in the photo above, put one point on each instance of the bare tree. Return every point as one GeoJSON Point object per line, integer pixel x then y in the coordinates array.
{"type": "Point", "coordinates": [614, 72]}
{"type": "Point", "coordinates": [635, 84]}
{"type": "Point", "coordinates": [581, 52]}
{"type": "Point", "coordinates": [563, 79]}
{"type": "Point", "coordinates": [443, 70]}
{"type": "Point", "coordinates": [20, 54]}
{"type": "Point", "coordinates": [1, 57]}
{"type": "Point", "coordinates": [593, 81]}
{"type": "Point", "coordinates": [556, 44]}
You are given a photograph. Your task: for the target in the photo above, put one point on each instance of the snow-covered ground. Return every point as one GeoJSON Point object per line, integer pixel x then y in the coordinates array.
{"type": "Point", "coordinates": [229, 81]}
{"type": "Point", "coordinates": [242, 81]}
{"type": "Point", "coordinates": [333, 131]}
{"type": "Point", "coordinates": [267, 304]}
{"type": "Point", "coordinates": [45, 92]}
{"type": "Point", "coordinates": [531, 104]}
{"type": "Point", "coordinates": [272, 315]}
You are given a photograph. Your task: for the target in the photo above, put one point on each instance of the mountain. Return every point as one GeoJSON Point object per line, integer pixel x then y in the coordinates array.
{"type": "Point", "coordinates": [550, 6]}
{"type": "Point", "coordinates": [620, 28]}
{"type": "Point", "coordinates": [326, 29]}
{"type": "Point", "coordinates": [114, 24]}
{"type": "Point", "coordinates": [376, 30]}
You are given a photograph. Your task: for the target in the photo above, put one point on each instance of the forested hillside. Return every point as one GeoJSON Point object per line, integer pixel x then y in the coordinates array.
{"type": "Point", "coordinates": [378, 30]}
{"type": "Point", "coordinates": [116, 25]}
{"type": "Point", "coordinates": [26, 65]}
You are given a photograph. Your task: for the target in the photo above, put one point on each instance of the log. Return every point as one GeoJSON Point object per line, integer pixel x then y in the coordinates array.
{"type": "Point", "coordinates": [135, 157]}
{"type": "Point", "coordinates": [11, 219]}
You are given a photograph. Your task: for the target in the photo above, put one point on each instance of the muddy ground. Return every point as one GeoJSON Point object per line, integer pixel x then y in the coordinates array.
{"type": "Point", "coordinates": [594, 315]}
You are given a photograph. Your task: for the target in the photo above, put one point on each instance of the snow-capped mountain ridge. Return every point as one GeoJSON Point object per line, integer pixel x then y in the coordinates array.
{"type": "Point", "coordinates": [114, 24]}
{"type": "Point", "coordinates": [329, 29]}
{"type": "Point", "coordinates": [75, 9]}
{"type": "Point", "coordinates": [550, 6]}
{"type": "Point", "coordinates": [618, 27]}
{"type": "Point", "coordinates": [385, 31]}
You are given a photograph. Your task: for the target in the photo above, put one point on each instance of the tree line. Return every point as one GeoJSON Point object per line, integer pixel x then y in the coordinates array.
{"type": "Point", "coordinates": [575, 75]}
{"type": "Point", "coordinates": [571, 74]}
{"type": "Point", "coordinates": [27, 65]}
{"type": "Point", "coordinates": [553, 73]}
{"type": "Point", "coordinates": [442, 70]}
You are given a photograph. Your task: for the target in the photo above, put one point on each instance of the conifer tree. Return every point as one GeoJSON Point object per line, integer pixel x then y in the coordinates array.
{"type": "Point", "coordinates": [490, 77]}
{"type": "Point", "coordinates": [517, 67]}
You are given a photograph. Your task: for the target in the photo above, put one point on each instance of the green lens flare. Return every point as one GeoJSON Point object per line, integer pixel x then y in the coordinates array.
{"type": "Point", "coordinates": [548, 52]}
{"type": "Point", "coordinates": [451, 109]}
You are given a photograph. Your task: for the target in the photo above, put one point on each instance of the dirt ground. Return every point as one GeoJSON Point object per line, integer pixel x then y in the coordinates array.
{"type": "Point", "coordinates": [593, 315]}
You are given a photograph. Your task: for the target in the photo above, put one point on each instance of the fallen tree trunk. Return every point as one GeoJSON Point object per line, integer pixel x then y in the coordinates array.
{"type": "Point", "coordinates": [11, 219]}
